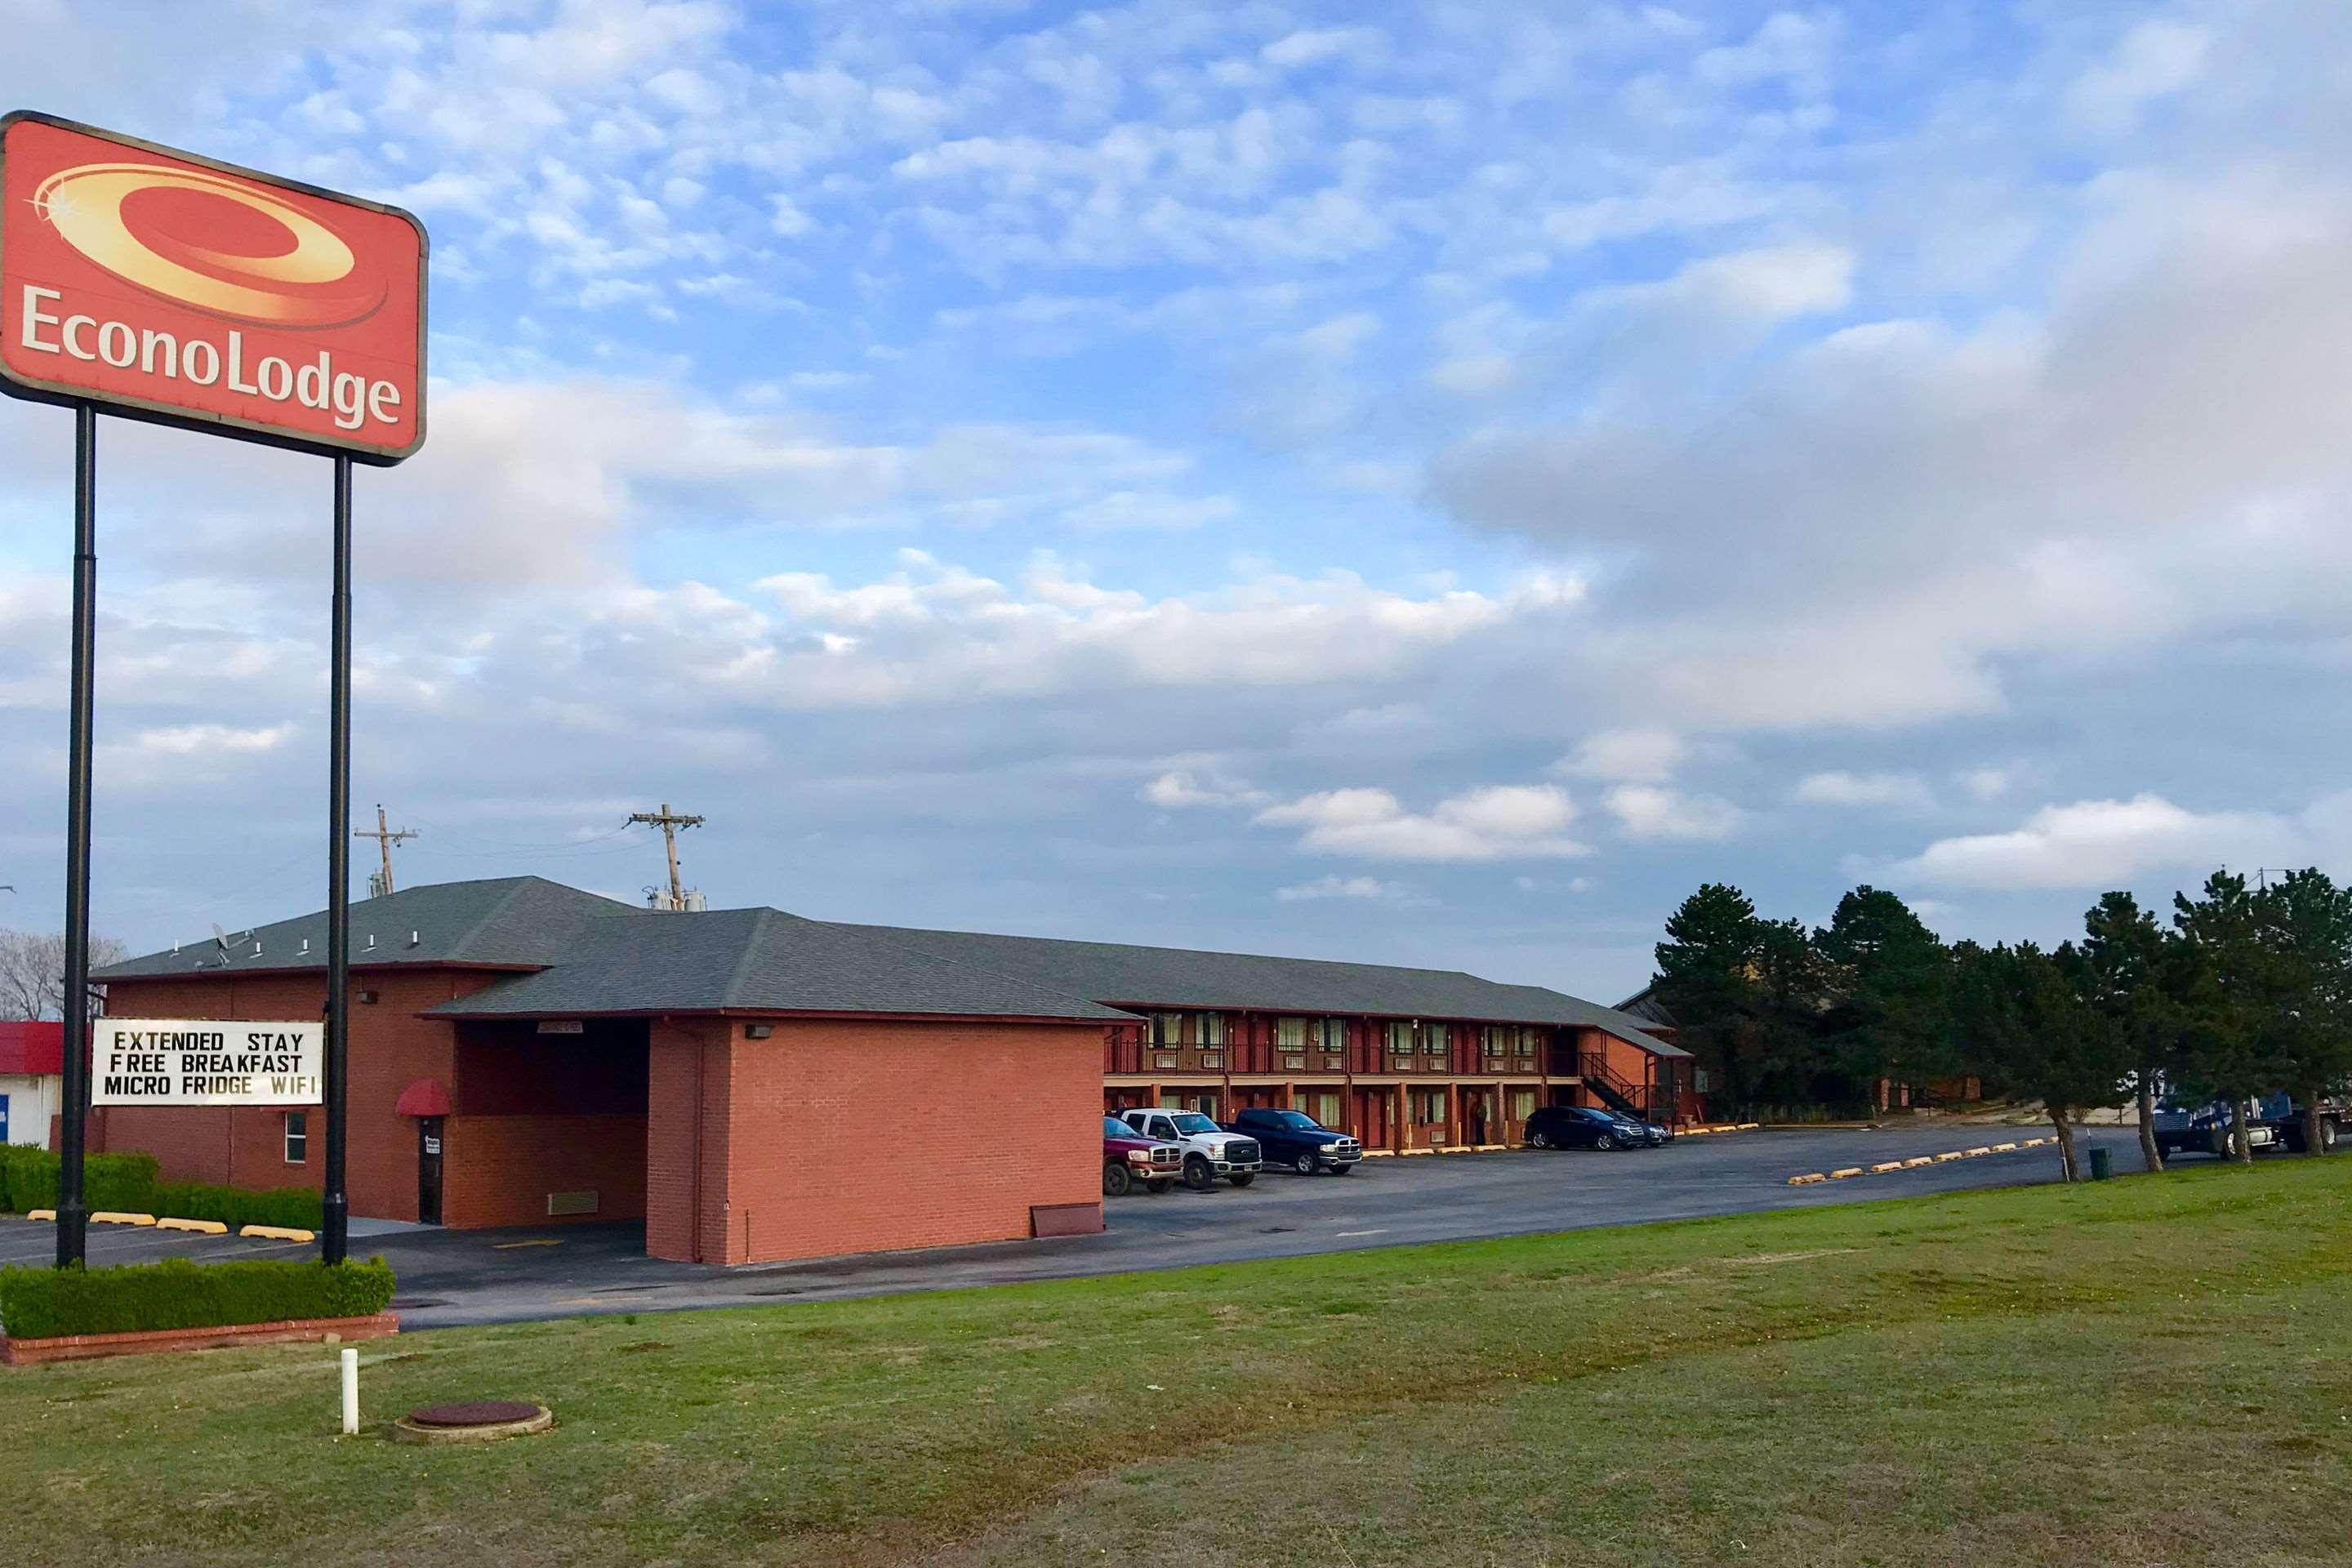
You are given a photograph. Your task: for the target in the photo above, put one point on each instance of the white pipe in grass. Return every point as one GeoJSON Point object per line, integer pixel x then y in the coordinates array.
{"type": "Point", "coordinates": [351, 1393]}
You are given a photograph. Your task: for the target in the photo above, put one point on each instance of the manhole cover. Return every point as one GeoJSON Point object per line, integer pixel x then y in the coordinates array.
{"type": "Point", "coordinates": [473, 1413]}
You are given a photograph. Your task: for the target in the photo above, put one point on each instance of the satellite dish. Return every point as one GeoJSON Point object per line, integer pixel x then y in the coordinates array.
{"type": "Point", "coordinates": [220, 938]}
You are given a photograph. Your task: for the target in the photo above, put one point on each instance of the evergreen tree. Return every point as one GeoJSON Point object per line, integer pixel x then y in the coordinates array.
{"type": "Point", "coordinates": [2232, 1042]}
{"type": "Point", "coordinates": [1890, 978]}
{"type": "Point", "coordinates": [2307, 919]}
{"type": "Point", "coordinates": [2135, 972]}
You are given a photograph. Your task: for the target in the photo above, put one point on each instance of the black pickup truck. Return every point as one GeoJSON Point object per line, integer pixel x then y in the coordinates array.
{"type": "Point", "coordinates": [1296, 1139]}
{"type": "Point", "coordinates": [2272, 1121]}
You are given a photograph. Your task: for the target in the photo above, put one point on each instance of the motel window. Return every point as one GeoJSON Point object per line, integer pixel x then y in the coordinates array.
{"type": "Point", "coordinates": [298, 1138]}
{"type": "Point", "coordinates": [1432, 1039]}
{"type": "Point", "coordinates": [1498, 1039]}
{"type": "Point", "coordinates": [1335, 1034]}
{"type": "Point", "coordinates": [1428, 1105]}
{"type": "Point", "coordinates": [1324, 1107]}
{"type": "Point", "coordinates": [1523, 1104]}
{"type": "Point", "coordinates": [1699, 1081]}
{"type": "Point", "coordinates": [1167, 1028]}
{"type": "Point", "coordinates": [1399, 1037]}
{"type": "Point", "coordinates": [1290, 1034]}
{"type": "Point", "coordinates": [1212, 1028]}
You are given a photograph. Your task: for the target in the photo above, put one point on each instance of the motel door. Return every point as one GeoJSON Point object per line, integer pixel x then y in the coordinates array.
{"type": "Point", "coordinates": [428, 1169]}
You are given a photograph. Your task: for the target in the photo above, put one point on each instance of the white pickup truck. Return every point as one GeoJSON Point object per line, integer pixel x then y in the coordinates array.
{"type": "Point", "coordinates": [1209, 1150]}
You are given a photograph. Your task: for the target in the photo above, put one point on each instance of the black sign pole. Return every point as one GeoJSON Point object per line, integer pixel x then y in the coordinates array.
{"type": "Point", "coordinates": [73, 1214]}
{"type": "Point", "coordinates": [338, 880]}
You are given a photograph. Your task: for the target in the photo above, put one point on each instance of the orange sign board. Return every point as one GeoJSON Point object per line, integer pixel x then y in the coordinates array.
{"type": "Point", "coordinates": [167, 287]}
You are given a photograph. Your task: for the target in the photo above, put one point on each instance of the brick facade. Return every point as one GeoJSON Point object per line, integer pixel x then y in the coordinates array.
{"type": "Point", "coordinates": [852, 1136]}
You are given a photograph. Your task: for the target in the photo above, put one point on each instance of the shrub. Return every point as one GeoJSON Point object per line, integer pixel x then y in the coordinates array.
{"type": "Point", "coordinates": [42, 1303]}
{"type": "Point", "coordinates": [120, 1182]}
{"type": "Point", "coordinates": [299, 1207]}
{"type": "Point", "coordinates": [127, 1184]}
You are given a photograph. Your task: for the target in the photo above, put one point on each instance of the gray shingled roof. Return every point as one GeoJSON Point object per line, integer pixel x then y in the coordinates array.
{"type": "Point", "coordinates": [593, 954]}
{"type": "Point", "coordinates": [761, 959]}
{"type": "Point", "coordinates": [1178, 977]}
{"type": "Point", "coordinates": [526, 921]}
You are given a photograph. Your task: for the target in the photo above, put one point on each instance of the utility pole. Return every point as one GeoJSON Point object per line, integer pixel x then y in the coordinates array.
{"type": "Point", "coordinates": [671, 824]}
{"type": "Point", "coordinates": [384, 839]}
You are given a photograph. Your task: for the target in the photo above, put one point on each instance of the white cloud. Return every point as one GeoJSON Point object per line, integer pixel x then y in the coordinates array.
{"type": "Point", "coordinates": [1642, 756]}
{"type": "Point", "coordinates": [1359, 46]}
{"type": "Point", "coordinates": [1182, 787]}
{"type": "Point", "coordinates": [1986, 782]}
{"type": "Point", "coordinates": [1339, 887]}
{"type": "Point", "coordinates": [1655, 811]}
{"type": "Point", "coordinates": [2094, 844]}
{"type": "Point", "coordinates": [1897, 791]}
{"type": "Point", "coordinates": [2154, 59]}
{"type": "Point", "coordinates": [1495, 822]}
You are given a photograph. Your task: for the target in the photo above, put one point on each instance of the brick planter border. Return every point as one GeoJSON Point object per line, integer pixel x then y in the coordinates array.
{"type": "Point", "coordinates": [144, 1341]}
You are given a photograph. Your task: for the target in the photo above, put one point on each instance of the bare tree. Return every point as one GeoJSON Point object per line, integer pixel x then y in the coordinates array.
{"type": "Point", "coordinates": [33, 971]}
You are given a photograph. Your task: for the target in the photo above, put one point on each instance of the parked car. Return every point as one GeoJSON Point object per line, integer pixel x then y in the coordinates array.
{"type": "Point", "coordinates": [1640, 1133]}
{"type": "Point", "coordinates": [1209, 1150]}
{"type": "Point", "coordinates": [1578, 1127]}
{"type": "Point", "coordinates": [1131, 1159]}
{"type": "Point", "coordinates": [1296, 1139]}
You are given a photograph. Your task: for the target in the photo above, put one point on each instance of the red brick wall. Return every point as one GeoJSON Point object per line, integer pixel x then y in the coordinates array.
{"type": "Point", "coordinates": [532, 1115]}
{"type": "Point", "coordinates": [390, 1049]}
{"type": "Point", "coordinates": [861, 1136]}
{"type": "Point", "coordinates": [499, 1170]}
{"type": "Point", "coordinates": [686, 1138]}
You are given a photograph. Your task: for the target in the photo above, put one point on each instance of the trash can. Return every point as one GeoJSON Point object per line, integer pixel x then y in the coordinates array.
{"type": "Point", "coordinates": [2103, 1164]}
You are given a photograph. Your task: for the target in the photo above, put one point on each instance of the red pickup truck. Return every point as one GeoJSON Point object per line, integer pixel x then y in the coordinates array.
{"type": "Point", "coordinates": [1131, 1159]}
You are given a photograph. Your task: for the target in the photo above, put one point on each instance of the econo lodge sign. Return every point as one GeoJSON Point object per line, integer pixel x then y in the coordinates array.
{"type": "Point", "coordinates": [167, 287]}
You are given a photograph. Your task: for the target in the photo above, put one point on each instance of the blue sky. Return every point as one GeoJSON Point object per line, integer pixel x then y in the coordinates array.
{"type": "Point", "coordinates": [1430, 483]}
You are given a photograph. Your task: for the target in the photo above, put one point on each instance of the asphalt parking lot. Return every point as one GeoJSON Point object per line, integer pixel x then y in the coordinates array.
{"type": "Point", "coordinates": [452, 1278]}
{"type": "Point", "coordinates": [449, 1279]}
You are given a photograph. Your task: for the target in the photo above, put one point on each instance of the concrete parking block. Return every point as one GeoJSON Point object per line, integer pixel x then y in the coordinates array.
{"type": "Point", "coordinates": [1849, 1170]}
{"type": "Point", "coordinates": [2003, 1148]}
{"type": "Point", "coordinates": [1916, 1160]}
{"type": "Point", "coordinates": [195, 1227]}
{"type": "Point", "coordinates": [1972, 1153]}
{"type": "Point", "coordinates": [1950, 1154]}
{"type": "Point", "coordinates": [1806, 1180]}
{"type": "Point", "coordinates": [1885, 1165]}
{"type": "Point", "coordinates": [111, 1217]}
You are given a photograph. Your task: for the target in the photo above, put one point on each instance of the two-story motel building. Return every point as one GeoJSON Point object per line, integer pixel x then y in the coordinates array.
{"type": "Point", "coordinates": [755, 1086]}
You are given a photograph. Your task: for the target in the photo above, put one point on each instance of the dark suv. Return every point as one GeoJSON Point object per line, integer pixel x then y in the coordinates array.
{"type": "Point", "coordinates": [1577, 1126]}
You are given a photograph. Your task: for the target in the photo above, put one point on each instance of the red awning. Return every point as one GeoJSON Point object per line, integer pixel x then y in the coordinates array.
{"type": "Point", "coordinates": [425, 1096]}
{"type": "Point", "coordinates": [35, 1051]}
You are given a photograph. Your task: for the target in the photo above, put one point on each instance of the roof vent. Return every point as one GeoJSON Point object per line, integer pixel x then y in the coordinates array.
{"type": "Point", "coordinates": [256, 947]}
{"type": "Point", "coordinates": [371, 939]}
{"type": "Point", "coordinates": [415, 938]}
{"type": "Point", "coordinates": [306, 944]}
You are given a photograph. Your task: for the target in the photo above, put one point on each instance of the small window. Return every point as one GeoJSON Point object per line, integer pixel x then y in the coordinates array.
{"type": "Point", "coordinates": [1165, 1060]}
{"type": "Point", "coordinates": [1290, 1034]}
{"type": "Point", "coordinates": [298, 1138]}
{"type": "Point", "coordinates": [1399, 1037]}
{"type": "Point", "coordinates": [1213, 1060]}
{"type": "Point", "coordinates": [1523, 1104]}
{"type": "Point", "coordinates": [1433, 1039]}
{"type": "Point", "coordinates": [1167, 1028]}
{"type": "Point", "coordinates": [1212, 1028]}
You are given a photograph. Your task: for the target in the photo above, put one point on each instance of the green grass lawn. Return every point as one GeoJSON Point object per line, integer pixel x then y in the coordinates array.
{"type": "Point", "coordinates": [2151, 1370]}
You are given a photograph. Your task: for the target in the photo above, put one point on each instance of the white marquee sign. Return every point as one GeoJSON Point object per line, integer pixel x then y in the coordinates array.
{"type": "Point", "coordinates": [206, 1061]}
